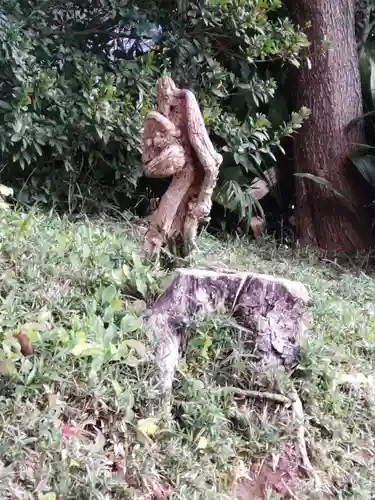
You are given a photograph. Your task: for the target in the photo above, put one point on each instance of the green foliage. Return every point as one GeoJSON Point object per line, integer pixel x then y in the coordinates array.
{"type": "Point", "coordinates": [252, 152]}
{"type": "Point", "coordinates": [228, 51]}
{"type": "Point", "coordinates": [73, 99]}
{"type": "Point", "coordinates": [70, 116]}
{"type": "Point", "coordinates": [364, 160]}
{"type": "Point", "coordinates": [78, 417]}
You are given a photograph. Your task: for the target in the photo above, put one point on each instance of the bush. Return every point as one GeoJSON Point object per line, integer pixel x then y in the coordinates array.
{"type": "Point", "coordinates": [70, 116]}
{"type": "Point", "coordinates": [78, 78]}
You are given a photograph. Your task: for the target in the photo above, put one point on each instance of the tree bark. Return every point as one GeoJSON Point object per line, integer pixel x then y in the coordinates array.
{"type": "Point", "coordinates": [332, 90]}
{"type": "Point", "coordinates": [271, 310]}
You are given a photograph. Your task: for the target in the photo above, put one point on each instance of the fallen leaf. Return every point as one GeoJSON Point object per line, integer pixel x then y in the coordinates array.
{"type": "Point", "coordinates": [7, 367]}
{"type": "Point", "coordinates": [68, 431]}
{"type": "Point", "coordinates": [26, 347]}
{"type": "Point", "coordinates": [6, 191]}
{"type": "Point", "coordinates": [147, 426]}
{"type": "Point", "coordinates": [202, 443]}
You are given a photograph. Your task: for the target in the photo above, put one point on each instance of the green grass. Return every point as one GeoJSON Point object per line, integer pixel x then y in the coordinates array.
{"type": "Point", "coordinates": [80, 290]}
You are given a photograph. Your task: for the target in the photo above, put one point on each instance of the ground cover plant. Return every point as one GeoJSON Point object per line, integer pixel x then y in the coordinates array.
{"type": "Point", "coordinates": [78, 415]}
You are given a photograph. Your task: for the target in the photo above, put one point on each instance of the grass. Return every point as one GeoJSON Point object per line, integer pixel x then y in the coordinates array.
{"type": "Point", "coordinates": [77, 417]}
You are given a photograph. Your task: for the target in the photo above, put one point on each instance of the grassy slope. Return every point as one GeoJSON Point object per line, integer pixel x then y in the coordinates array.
{"type": "Point", "coordinates": [62, 284]}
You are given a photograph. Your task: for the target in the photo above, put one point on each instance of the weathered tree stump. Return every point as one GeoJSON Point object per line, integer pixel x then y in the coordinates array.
{"type": "Point", "coordinates": [271, 309]}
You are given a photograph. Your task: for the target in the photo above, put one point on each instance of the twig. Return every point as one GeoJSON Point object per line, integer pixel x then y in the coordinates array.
{"type": "Point", "coordinates": [279, 398]}
{"type": "Point", "coordinates": [239, 290]}
{"type": "Point", "coordinates": [298, 415]}
{"type": "Point", "coordinates": [293, 495]}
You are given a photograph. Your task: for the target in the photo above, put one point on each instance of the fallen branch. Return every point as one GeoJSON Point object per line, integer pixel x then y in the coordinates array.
{"type": "Point", "coordinates": [278, 398]}
{"type": "Point", "coordinates": [293, 495]}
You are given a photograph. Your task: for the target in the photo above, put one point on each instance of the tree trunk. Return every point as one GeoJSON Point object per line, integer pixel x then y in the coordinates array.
{"type": "Point", "coordinates": [331, 89]}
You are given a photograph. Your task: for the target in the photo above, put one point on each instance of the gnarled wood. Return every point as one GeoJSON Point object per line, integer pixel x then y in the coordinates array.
{"type": "Point", "coordinates": [271, 309]}
{"type": "Point", "coordinates": [177, 144]}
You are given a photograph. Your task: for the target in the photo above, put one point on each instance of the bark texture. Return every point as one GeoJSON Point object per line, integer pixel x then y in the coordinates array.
{"type": "Point", "coordinates": [271, 309]}
{"type": "Point", "coordinates": [331, 89]}
{"type": "Point", "coordinates": [176, 143]}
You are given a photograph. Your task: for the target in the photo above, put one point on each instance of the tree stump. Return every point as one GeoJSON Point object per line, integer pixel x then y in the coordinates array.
{"type": "Point", "coordinates": [271, 309]}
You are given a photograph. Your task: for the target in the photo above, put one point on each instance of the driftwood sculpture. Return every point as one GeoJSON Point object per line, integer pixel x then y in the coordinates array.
{"type": "Point", "coordinates": [176, 143]}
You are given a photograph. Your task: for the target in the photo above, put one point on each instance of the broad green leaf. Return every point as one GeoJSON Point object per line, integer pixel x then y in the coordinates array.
{"type": "Point", "coordinates": [118, 276]}
{"type": "Point", "coordinates": [325, 183]}
{"type": "Point", "coordinates": [110, 334]}
{"type": "Point", "coordinates": [137, 307]}
{"type": "Point", "coordinates": [4, 205]}
{"type": "Point", "coordinates": [141, 286]}
{"type": "Point", "coordinates": [99, 443]}
{"type": "Point", "coordinates": [96, 365]}
{"type": "Point", "coordinates": [122, 351]}
{"type": "Point", "coordinates": [365, 164]}
{"type": "Point", "coordinates": [117, 304]}
{"type": "Point", "coordinates": [47, 496]}
{"type": "Point", "coordinates": [218, 93]}
{"type": "Point", "coordinates": [7, 367]}
{"type": "Point", "coordinates": [108, 294]}
{"type": "Point", "coordinates": [80, 337]}
{"type": "Point", "coordinates": [5, 105]}
{"type": "Point", "coordinates": [109, 313]}
{"type": "Point", "coordinates": [137, 261]}
{"type": "Point", "coordinates": [25, 224]}
{"type": "Point", "coordinates": [126, 270]}
{"type": "Point", "coordinates": [75, 260]}
{"type": "Point", "coordinates": [44, 316]}
{"type": "Point", "coordinates": [86, 251]}
{"type": "Point", "coordinates": [130, 323]}
{"type": "Point", "coordinates": [138, 347]}
{"type": "Point", "coordinates": [34, 326]}
{"type": "Point", "coordinates": [116, 387]}
{"type": "Point", "coordinates": [83, 350]}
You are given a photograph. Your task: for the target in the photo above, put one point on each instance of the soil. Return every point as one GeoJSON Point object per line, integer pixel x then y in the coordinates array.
{"type": "Point", "coordinates": [279, 474]}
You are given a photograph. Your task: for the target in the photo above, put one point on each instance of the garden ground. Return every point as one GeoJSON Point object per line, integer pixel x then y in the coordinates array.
{"type": "Point", "coordinates": [77, 417]}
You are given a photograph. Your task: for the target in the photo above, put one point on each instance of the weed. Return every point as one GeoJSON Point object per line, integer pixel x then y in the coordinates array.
{"type": "Point", "coordinates": [77, 417]}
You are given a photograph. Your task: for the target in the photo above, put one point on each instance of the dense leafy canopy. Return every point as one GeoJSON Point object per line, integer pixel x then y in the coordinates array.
{"type": "Point", "coordinates": [78, 77]}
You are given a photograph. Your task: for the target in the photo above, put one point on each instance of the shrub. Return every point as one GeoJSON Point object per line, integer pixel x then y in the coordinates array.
{"type": "Point", "coordinates": [77, 79]}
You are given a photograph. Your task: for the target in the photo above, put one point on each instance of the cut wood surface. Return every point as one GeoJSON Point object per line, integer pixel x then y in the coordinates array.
{"type": "Point", "coordinates": [270, 309]}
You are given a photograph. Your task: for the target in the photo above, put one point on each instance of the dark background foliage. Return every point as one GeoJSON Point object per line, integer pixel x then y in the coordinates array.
{"type": "Point", "coordinates": [77, 79]}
